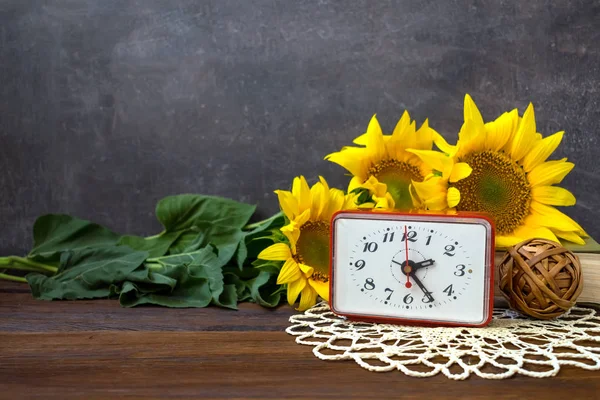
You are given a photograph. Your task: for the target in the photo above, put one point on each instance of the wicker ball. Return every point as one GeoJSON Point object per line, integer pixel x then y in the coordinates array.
{"type": "Point", "coordinates": [540, 278]}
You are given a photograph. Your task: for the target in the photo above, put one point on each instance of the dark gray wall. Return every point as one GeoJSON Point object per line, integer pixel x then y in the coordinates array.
{"type": "Point", "coordinates": [108, 105]}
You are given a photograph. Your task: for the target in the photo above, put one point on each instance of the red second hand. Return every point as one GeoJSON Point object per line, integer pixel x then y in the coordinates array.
{"type": "Point", "coordinates": [407, 267]}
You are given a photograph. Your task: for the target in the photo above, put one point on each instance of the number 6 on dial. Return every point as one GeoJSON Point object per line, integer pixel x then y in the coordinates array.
{"type": "Point", "coordinates": [428, 269]}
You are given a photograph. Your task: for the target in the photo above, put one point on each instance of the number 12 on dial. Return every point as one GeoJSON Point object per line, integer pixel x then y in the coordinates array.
{"type": "Point", "coordinates": [412, 268]}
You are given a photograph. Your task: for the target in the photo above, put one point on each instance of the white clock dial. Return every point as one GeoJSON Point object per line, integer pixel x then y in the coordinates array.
{"type": "Point", "coordinates": [420, 268]}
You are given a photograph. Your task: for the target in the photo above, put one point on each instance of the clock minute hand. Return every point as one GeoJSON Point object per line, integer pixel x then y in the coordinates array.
{"type": "Point", "coordinates": [421, 286]}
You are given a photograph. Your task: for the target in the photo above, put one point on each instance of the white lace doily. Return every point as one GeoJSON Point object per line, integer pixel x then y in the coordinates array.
{"type": "Point", "coordinates": [510, 345]}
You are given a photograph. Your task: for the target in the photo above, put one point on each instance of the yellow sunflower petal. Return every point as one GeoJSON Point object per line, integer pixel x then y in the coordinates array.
{"type": "Point", "coordinates": [441, 144]}
{"type": "Point", "coordinates": [570, 236]}
{"type": "Point", "coordinates": [350, 201]}
{"type": "Point", "coordinates": [375, 144]}
{"type": "Point", "coordinates": [322, 288]}
{"type": "Point", "coordinates": [501, 130]}
{"type": "Point", "coordinates": [289, 272]}
{"type": "Point", "coordinates": [361, 140]}
{"type": "Point", "coordinates": [428, 188]}
{"type": "Point", "coordinates": [336, 202]}
{"type": "Point", "coordinates": [324, 183]}
{"type": "Point", "coordinates": [431, 188]}
{"type": "Point", "coordinates": [504, 241]}
{"type": "Point", "coordinates": [307, 270]}
{"type": "Point", "coordinates": [525, 136]}
{"type": "Point", "coordinates": [294, 288]}
{"type": "Point", "coordinates": [424, 137]}
{"type": "Point", "coordinates": [301, 191]}
{"type": "Point", "coordinates": [355, 183]}
{"type": "Point", "coordinates": [460, 171]}
{"type": "Point", "coordinates": [471, 111]}
{"type": "Point", "coordinates": [367, 206]}
{"type": "Point", "coordinates": [543, 215]}
{"type": "Point", "coordinates": [437, 203]}
{"type": "Point", "coordinates": [351, 158]}
{"type": "Point", "coordinates": [471, 136]}
{"type": "Point", "coordinates": [550, 172]}
{"type": "Point", "coordinates": [541, 151]}
{"type": "Point", "coordinates": [528, 232]}
{"type": "Point", "coordinates": [375, 187]}
{"type": "Point", "coordinates": [276, 252]}
{"type": "Point", "coordinates": [476, 141]}
{"type": "Point", "coordinates": [401, 137]}
{"type": "Point", "coordinates": [385, 202]}
{"type": "Point", "coordinates": [407, 138]}
{"type": "Point", "coordinates": [287, 203]}
{"type": "Point", "coordinates": [553, 195]}
{"type": "Point", "coordinates": [416, 200]}
{"type": "Point", "coordinates": [402, 125]}
{"type": "Point", "coordinates": [303, 218]}
{"type": "Point", "coordinates": [435, 160]}
{"type": "Point", "coordinates": [308, 298]}
{"type": "Point", "coordinates": [319, 197]}
{"type": "Point", "coordinates": [391, 204]}
{"type": "Point", "coordinates": [552, 212]}
{"type": "Point", "coordinates": [292, 232]}
{"type": "Point", "coordinates": [453, 197]}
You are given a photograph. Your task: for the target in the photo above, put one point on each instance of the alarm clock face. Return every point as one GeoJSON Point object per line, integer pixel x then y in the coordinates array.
{"type": "Point", "coordinates": [414, 268]}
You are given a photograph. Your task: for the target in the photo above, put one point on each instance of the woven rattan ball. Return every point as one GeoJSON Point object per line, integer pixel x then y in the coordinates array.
{"type": "Point", "coordinates": [540, 278]}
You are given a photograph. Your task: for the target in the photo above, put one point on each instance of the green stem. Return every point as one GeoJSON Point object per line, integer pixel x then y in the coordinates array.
{"type": "Point", "coordinates": [23, 268]}
{"type": "Point", "coordinates": [14, 261]}
{"type": "Point", "coordinates": [259, 223]}
{"type": "Point", "coordinates": [13, 278]}
{"type": "Point", "coordinates": [154, 236]}
{"type": "Point", "coordinates": [152, 265]}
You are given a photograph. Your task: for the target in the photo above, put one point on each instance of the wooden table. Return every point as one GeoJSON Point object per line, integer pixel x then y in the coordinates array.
{"type": "Point", "coordinates": [98, 350]}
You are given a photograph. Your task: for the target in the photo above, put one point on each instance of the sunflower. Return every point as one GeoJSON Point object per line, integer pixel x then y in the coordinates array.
{"type": "Point", "coordinates": [511, 178]}
{"type": "Point", "coordinates": [383, 166]}
{"type": "Point", "coordinates": [306, 255]}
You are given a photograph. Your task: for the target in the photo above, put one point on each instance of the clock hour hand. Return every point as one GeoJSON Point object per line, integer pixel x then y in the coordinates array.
{"type": "Point", "coordinates": [422, 287]}
{"type": "Point", "coordinates": [423, 264]}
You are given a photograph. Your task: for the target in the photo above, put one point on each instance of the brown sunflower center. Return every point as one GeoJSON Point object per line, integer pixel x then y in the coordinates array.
{"type": "Point", "coordinates": [312, 248]}
{"type": "Point", "coordinates": [498, 186]}
{"type": "Point", "coordinates": [397, 175]}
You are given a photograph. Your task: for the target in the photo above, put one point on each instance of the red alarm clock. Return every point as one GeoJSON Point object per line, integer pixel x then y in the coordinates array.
{"type": "Point", "coordinates": [427, 269]}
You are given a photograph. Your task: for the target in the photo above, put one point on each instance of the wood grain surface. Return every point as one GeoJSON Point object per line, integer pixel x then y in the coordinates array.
{"type": "Point", "coordinates": [97, 350]}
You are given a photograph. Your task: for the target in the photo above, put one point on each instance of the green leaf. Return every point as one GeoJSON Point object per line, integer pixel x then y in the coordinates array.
{"type": "Point", "coordinates": [192, 222]}
{"type": "Point", "coordinates": [242, 290]}
{"type": "Point", "coordinates": [54, 233]}
{"type": "Point", "coordinates": [264, 289]}
{"type": "Point", "coordinates": [156, 246]}
{"type": "Point", "coordinates": [259, 238]}
{"type": "Point", "coordinates": [187, 210]}
{"type": "Point", "coordinates": [192, 279]}
{"type": "Point", "coordinates": [86, 273]}
{"type": "Point", "coordinates": [256, 283]}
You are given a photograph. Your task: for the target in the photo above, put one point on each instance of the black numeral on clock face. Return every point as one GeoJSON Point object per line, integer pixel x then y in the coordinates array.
{"type": "Point", "coordinates": [460, 270]}
{"type": "Point", "coordinates": [407, 299]}
{"type": "Point", "coordinates": [411, 235]}
{"type": "Point", "coordinates": [449, 250]}
{"type": "Point", "coordinates": [360, 264]}
{"type": "Point", "coordinates": [370, 247]}
{"type": "Point", "coordinates": [390, 291]}
{"type": "Point", "coordinates": [428, 240]}
{"type": "Point", "coordinates": [369, 284]}
{"type": "Point", "coordinates": [449, 290]}
{"type": "Point", "coordinates": [388, 237]}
